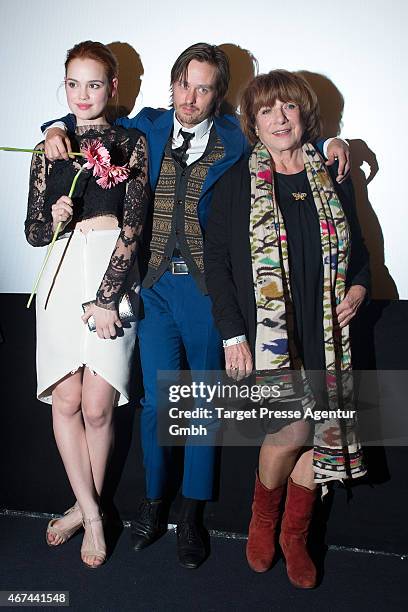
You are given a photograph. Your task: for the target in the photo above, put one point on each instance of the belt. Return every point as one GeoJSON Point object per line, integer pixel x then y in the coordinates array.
{"type": "Point", "coordinates": [178, 267]}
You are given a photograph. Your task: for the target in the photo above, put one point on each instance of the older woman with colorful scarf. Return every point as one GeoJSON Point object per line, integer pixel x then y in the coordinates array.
{"type": "Point", "coordinates": [287, 269]}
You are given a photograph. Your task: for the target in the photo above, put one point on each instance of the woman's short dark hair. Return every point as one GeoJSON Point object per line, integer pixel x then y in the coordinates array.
{"type": "Point", "coordinates": [285, 86]}
{"type": "Point", "coordinates": [203, 52]}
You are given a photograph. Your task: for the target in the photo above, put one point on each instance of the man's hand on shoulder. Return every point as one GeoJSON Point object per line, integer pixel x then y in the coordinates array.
{"type": "Point", "coordinates": [339, 150]}
{"type": "Point", "coordinates": [57, 144]}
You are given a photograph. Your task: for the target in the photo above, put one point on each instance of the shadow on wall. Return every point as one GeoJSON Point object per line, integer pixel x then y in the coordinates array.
{"type": "Point", "coordinates": [331, 104]}
{"type": "Point", "coordinates": [130, 79]}
{"type": "Point", "coordinates": [384, 287]}
{"type": "Point", "coordinates": [243, 67]}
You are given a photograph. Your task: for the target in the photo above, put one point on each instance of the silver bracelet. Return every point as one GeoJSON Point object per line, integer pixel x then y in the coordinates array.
{"type": "Point", "coordinates": [232, 341]}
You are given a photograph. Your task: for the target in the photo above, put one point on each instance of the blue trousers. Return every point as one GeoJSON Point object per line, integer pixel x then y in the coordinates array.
{"type": "Point", "coordinates": [177, 320]}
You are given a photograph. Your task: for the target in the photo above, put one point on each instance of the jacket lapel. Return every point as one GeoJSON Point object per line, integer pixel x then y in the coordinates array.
{"type": "Point", "coordinates": [157, 140]}
{"type": "Point", "coordinates": [235, 145]}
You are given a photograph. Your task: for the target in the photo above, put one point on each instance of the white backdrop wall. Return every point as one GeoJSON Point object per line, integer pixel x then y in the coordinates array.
{"type": "Point", "coordinates": [360, 45]}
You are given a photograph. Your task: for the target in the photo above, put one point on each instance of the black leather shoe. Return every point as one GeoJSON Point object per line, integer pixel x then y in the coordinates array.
{"type": "Point", "coordinates": [191, 544]}
{"type": "Point", "coordinates": [149, 525]}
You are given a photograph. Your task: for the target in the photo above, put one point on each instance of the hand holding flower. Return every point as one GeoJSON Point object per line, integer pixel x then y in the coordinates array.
{"type": "Point", "coordinates": [62, 212]}
{"type": "Point", "coordinates": [106, 321]}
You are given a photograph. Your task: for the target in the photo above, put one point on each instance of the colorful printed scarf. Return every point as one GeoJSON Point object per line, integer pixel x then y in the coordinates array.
{"type": "Point", "coordinates": [337, 452]}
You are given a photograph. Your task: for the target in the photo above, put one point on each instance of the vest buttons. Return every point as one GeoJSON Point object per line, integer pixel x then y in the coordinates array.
{"type": "Point", "coordinates": [179, 202]}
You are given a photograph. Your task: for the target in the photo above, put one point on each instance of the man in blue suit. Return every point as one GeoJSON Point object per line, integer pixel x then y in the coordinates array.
{"type": "Point", "coordinates": [190, 147]}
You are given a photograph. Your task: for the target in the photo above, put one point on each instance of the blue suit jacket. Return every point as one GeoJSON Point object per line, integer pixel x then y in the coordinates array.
{"type": "Point", "coordinates": [157, 125]}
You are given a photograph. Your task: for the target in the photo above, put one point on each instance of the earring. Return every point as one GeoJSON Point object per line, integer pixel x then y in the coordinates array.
{"type": "Point", "coordinates": [256, 131]}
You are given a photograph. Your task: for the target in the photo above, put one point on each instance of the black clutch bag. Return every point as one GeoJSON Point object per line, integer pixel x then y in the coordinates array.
{"type": "Point", "coordinates": [126, 311]}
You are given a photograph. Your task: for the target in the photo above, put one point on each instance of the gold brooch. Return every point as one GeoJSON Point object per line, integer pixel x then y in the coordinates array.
{"type": "Point", "coordinates": [299, 196]}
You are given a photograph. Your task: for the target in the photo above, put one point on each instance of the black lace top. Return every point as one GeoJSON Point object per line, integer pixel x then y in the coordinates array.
{"type": "Point", "coordinates": [126, 201]}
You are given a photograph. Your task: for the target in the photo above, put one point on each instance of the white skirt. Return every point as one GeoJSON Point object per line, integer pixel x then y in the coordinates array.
{"type": "Point", "coordinates": [72, 276]}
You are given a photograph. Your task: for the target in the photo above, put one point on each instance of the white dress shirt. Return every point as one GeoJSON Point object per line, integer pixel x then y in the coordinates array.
{"type": "Point", "coordinates": [198, 143]}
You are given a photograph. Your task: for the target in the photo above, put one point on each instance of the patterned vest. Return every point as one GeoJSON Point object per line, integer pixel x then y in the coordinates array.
{"type": "Point", "coordinates": [178, 193]}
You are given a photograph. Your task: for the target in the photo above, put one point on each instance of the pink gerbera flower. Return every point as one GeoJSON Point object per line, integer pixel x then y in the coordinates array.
{"type": "Point", "coordinates": [97, 157]}
{"type": "Point", "coordinates": [112, 176]}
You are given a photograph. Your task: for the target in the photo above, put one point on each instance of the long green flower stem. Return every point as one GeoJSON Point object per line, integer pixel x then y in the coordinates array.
{"type": "Point", "coordinates": [40, 151]}
{"type": "Point", "coordinates": [51, 245]}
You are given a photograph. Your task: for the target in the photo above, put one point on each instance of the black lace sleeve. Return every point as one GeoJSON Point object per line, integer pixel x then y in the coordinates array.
{"type": "Point", "coordinates": [38, 223]}
{"type": "Point", "coordinates": [123, 256]}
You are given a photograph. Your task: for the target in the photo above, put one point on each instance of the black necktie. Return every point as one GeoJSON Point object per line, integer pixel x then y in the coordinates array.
{"type": "Point", "coordinates": [179, 154]}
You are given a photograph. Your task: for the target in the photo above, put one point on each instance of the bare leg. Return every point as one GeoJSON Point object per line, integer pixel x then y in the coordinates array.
{"type": "Point", "coordinates": [279, 453]}
{"type": "Point", "coordinates": [97, 409]}
{"type": "Point", "coordinates": [70, 437]}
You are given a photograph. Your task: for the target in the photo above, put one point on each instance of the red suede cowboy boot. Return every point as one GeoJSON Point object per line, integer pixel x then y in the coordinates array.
{"type": "Point", "coordinates": [260, 548]}
{"type": "Point", "coordinates": [293, 537]}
